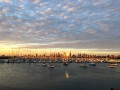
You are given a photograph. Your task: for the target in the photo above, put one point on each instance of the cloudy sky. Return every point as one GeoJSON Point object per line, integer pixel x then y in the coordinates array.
{"type": "Point", "coordinates": [75, 24]}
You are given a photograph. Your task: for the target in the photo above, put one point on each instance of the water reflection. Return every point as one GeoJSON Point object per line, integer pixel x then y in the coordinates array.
{"type": "Point", "coordinates": [27, 76]}
{"type": "Point", "coordinates": [66, 74]}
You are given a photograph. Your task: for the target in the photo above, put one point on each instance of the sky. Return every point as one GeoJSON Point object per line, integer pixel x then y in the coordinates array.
{"type": "Point", "coordinates": [78, 25]}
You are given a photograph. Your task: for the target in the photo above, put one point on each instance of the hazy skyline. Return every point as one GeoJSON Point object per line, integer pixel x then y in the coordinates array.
{"type": "Point", "coordinates": [86, 25]}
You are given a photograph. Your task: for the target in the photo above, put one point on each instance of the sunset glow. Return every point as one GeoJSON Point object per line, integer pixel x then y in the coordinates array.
{"type": "Point", "coordinates": [79, 26]}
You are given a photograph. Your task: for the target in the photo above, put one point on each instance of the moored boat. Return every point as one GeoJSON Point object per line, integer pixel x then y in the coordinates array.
{"type": "Point", "coordinates": [112, 65]}
{"type": "Point", "coordinates": [65, 63]}
{"type": "Point", "coordinates": [50, 66]}
{"type": "Point", "coordinates": [83, 65]}
{"type": "Point", "coordinates": [43, 64]}
{"type": "Point", "coordinates": [92, 64]}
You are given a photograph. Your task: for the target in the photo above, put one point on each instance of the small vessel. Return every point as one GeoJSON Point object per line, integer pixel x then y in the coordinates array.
{"type": "Point", "coordinates": [43, 64]}
{"type": "Point", "coordinates": [65, 63]}
{"type": "Point", "coordinates": [83, 65]}
{"type": "Point", "coordinates": [92, 64]}
{"type": "Point", "coordinates": [50, 66]}
{"type": "Point", "coordinates": [112, 65]}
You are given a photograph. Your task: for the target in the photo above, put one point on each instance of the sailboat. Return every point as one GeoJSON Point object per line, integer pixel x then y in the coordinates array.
{"type": "Point", "coordinates": [112, 65]}
{"type": "Point", "coordinates": [43, 64]}
{"type": "Point", "coordinates": [65, 63]}
{"type": "Point", "coordinates": [50, 66]}
{"type": "Point", "coordinates": [92, 64]}
{"type": "Point", "coordinates": [83, 65]}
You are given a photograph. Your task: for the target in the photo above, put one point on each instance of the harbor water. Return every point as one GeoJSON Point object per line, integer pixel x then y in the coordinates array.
{"type": "Point", "coordinates": [34, 76]}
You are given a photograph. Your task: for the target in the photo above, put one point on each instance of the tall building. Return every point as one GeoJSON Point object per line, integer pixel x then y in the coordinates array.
{"type": "Point", "coordinates": [70, 53]}
{"type": "Point", "coordinates": [36, 55]}
{"type": "Point", "coordinates": [112, 56]}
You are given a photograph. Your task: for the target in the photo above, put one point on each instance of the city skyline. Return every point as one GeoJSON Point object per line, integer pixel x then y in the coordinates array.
{"type": "Point", "coordinates": [79, 26]}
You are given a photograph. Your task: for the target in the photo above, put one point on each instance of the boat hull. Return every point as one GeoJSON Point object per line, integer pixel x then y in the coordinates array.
{"type": "Point", "coordinates": [111, 66]}
{"type": "Point", "coordinates": [50, 66]}
{"type": "Point", "coordinates": [92, 64]}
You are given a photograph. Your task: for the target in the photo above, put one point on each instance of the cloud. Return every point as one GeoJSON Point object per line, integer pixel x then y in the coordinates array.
{"type": "Point", "coordinates": [95, 22]}
{"type": "Point", "coordinates": [6, 1]}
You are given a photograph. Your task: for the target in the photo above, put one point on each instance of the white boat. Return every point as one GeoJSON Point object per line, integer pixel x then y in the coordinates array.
{"type": "Point", "coordinates": [50, 66]}
{"type": "Point", "coordinates": [111, 66]}
{"type": "Point", "coordinates": [83, 65]}
{"type": "Point", "coordinates": [43, 64]}
{"type": "Point", "coordinates": [92, 64]}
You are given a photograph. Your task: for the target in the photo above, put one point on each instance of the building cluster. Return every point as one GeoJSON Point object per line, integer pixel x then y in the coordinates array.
{"type": "Point", "coordinates": [64, 55]}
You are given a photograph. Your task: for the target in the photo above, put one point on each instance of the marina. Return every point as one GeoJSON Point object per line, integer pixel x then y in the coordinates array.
{"type": "Point", "coordinates": [59, 44]}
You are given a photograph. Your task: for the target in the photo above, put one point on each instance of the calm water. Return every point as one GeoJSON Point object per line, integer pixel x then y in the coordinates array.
{"type": "Point", "coordinates": [26, 76]}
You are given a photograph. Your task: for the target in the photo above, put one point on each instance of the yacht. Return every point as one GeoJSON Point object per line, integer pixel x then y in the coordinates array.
{"type": "Point", "coordinates": [92, 64]}
{"type": "Point", "coordinates": [65, 63]}
{"type": "Point", "coordinates": [50, 66]}
{"type": "Point", "coordinates": [43, 64]}
{"type": "Point", "coordinates": [83, 65]}
{"type": "Point", "coordinates": [112, 65]}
